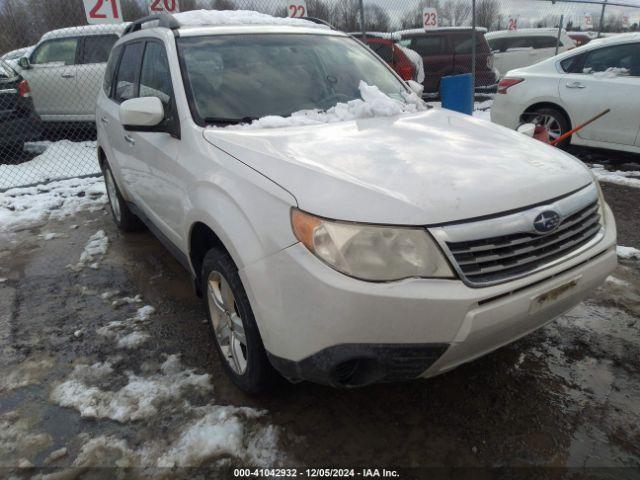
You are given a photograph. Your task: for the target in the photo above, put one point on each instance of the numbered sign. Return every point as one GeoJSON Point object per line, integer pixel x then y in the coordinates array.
{"type": "Point", "coordinates": [626, 21]}
{"type": "Point", "coordinates": [297, 8]}
{"type": "Point", "coordinates": [163, 6]}
{"type": "Point", "coordinates": [588, 21]}
{"type": "Point", "coordinates": [513, 24]}
{"type": "Point", "coordinates": [430, 18]}
{"type": "Point", "coordinates": [103, 11]}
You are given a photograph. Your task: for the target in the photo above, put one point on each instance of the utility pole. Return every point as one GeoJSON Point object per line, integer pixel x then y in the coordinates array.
{"type": "Point", "coordinates": [604, 6]}
{"type": "Point", "coordinates": [364, 30]}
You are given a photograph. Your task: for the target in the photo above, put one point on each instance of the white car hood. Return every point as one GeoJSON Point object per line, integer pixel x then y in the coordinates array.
{"type": "Point", "coordinates": [419, 169]}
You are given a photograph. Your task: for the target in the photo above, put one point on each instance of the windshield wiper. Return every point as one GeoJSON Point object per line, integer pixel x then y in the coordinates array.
{"type": "Point", "coordinates": [228, 121]}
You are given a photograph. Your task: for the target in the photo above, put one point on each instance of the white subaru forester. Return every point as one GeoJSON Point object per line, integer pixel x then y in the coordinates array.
{"type": "Point", "coordinates": [340, 230]}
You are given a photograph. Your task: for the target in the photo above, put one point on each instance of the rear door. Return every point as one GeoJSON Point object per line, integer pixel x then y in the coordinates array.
{"type": "Point", "coordinates": [607, 77]}
{"type": "Point", "coordinates": [52, 78]}
{"type": "Point", "coordinates": [437, 57]}
{"type": "Point", "coordinates": [8, 93]}
{"type": "Point", "coordinates": [94, 53]}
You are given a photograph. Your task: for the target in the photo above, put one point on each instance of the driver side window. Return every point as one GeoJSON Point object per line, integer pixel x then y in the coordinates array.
{"type": "Point", "coordinates": [62, 51]}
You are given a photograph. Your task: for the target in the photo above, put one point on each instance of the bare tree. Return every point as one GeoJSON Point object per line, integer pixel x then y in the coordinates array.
{"type": "Point", "coordinates": [224, 5]}
{"type": "Point", "coordinates": [133, 9]}
{"type": "Point", "coordinates": [376, 19]}
{"type": "Point", "coordinates": [412, 18]}
{"type": "Point", "coordinates": [487, 13]}
{"type": "Point", "coordinates": [455, 12]}
{"type": "Point", "coordinates": [345, 15]}
{"type": "Point", "coordinates": [14, 25]}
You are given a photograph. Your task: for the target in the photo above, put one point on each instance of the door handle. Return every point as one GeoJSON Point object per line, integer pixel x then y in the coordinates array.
{"type": "Point", "coordinates": [104, 120]}
{"type": "Point", "coordinates": [129, 140]}
{"type": "Point", "coordinates": [575, 85]}
{"type": "Point", "coordinates": [68, 75]}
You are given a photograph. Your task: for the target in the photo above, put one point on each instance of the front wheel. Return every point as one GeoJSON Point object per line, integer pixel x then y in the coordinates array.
{"type": "Point", "coordinates": [233, 326]}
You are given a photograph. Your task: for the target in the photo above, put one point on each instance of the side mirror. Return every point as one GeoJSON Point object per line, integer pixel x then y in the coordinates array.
{"type": "Point", "coordinates": [416, 87]}
{"type": "Point", "coordinates": [24, 63]}
{"type": "Point", "coordinates": [141, 114]}
{"type": "Point", "coordinates": [528, 129]}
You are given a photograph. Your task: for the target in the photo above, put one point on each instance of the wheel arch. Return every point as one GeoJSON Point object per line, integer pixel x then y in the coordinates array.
{"type": "Point", "coordinates": [548, 104]}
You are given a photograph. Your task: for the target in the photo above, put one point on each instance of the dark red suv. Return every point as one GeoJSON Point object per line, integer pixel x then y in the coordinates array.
{"type": "Point", "coordinates": [447, 51]}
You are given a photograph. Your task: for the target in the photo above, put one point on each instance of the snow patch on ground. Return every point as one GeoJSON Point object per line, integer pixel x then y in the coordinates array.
{"type": "Point", "coordinates": [93, 251]}
{"type": "Point", "coordinates": [26, 373]}
{"type": "Point", "coordinates": [628, 253]}
{"type": "Point", "coordinates": [201, 18]}
{"type": "Point", "coordinates": [140, 398]}
{"type": "Point", "coordinates": [127, 333]}
{"type": "Point", "coordinates": [133, 340]}
{"type": "Point", "coordinates": [629, 179]}
{"type": "Point", "coordinates": [374, 103]}
{"type": "Point", "coordinates": [62, 159]}
{"type": "Point", "coordinates": [27, 206]}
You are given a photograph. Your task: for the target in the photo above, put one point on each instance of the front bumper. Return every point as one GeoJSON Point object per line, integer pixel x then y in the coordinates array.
{"type": "Point", "coordinates": [320, 325]}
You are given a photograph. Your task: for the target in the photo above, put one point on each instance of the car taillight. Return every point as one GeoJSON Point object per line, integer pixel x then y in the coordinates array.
{"type": "Point", "coordinates": [24, 90]}
{"type": "Point", "coordinates": [506, 83]}
{"type": "Point", "coordinates": [406, 72]}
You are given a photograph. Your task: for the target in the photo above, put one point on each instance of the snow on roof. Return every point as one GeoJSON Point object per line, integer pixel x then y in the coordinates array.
{"type": "Point", "coordinates": [438, 29]}
{"type": "Point", "coordinates": [208, 18]}
{"type": "Point", "coordinates": [524, 31]}
{"type": "Point", "coordinates": [385, 35]}
{"type": "Point", "coordinates": [117, 28]}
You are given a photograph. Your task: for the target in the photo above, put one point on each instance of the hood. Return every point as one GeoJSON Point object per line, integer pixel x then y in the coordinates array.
{"type": "Point", "coordinates": [419, 169]}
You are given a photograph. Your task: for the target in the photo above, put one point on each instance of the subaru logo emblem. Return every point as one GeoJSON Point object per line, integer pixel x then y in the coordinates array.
{"type": "Point", "coordinates": [546, 222]}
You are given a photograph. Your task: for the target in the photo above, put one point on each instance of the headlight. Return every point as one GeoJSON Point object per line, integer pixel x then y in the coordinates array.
{"type": "Point", "coordinates": [371, 252]}
{"type": "Point", "coordinates": [601, 200]}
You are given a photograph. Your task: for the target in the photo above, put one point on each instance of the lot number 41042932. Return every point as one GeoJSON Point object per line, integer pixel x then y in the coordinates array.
{"type": "Point", "coordinates": [103, 11]}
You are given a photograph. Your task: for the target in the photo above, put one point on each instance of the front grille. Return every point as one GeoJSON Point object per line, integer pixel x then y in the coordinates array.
{"type": "Point", "coordinates": [497, 259]}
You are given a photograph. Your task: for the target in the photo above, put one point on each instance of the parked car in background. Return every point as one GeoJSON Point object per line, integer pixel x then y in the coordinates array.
{"type": "Point", "coordinates": [406, 62]}
{"type": "Point", "coordinates": [447, 51]}
{"type": "Point", "coordinates": [342, 250]}
{"type": "Point", "coordinates": [565, 91]}
{"type": "Point", "coordinates": [18, 121]}
{"type": "Point", "coordinates": [13, 58]}
{"type": "Point", "coordinates": [580, 38]}
{"type": "Point", "coordinates": [521, 48]}
{"type": "Point", "coordinates": [66, 69]}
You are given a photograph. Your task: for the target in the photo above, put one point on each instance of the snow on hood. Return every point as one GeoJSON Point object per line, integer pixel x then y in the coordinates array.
{"type": "Point", "coordinates": [207, 18]}
{"type": "Point", "coordinates": [418, 168]}
{"type": "Point", "coordinates": [374, 103]}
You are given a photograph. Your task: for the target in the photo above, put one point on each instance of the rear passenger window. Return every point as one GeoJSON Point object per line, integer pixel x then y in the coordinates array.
{"type": "Point", "coordinates": [429, 45]}
{"type": "Point", "coordinates": [545, 42]}
{"type": "Point", "coordinates": [518, 43]}
{"type": "Point", "coordinates": [463, 44]}
{"type": "Point", "coordinates": [128, 72]}
{"type": "Point", "coordinates": [155, 77]}
{"type": "Point", "coordinates": [618, 60]}
{"type": "Point", "coordinates": [384, 50]}
{"type": "Point", "coordinates": [96, 49]}
{"type": "Point", "coordinates": [111, 69]}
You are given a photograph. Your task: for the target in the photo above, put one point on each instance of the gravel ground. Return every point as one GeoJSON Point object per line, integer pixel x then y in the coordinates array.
{"type": "Point", "coordinates": [107, 361]}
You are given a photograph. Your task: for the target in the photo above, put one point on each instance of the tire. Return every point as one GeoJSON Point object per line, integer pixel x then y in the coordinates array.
{"type": "Point", "coordinates": [228, 308]}
{"type": "Point", "coordinates": [122, 216]}
{"type": "Point", "coordinates": [553, 119]}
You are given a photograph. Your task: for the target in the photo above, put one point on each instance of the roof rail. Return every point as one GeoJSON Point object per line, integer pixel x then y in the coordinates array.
{"type": "Point", "coordinates": [165, 20]}
{"type": "Point", "coordinates": [319, 21]}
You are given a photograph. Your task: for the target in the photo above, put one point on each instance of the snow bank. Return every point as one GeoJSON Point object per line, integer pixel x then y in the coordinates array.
{"type": "Point", "coordinates": [628, 253]}
{"type": "Point", "coordinates": [374, 103]}
{"type": "Point", "coordinates": [140, 398]}
{"type": "Point", "coordinates": [24, 207]}
{"type": "Point", "coordinates": [62, 159]}
{"type": "Point", "coordinates": [203, 18]}
{"type": "Point", "coordinates": [93, 251]}
{"type": "Point", "coordinates": [629, 179]}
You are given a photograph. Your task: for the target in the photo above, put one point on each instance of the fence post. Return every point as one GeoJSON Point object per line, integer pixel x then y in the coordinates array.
{"type": "Point", "coordinates": [604, 6]}
{"type": "Point", "coordinates": [473, 49]}
{"type": "Point", "coordinates": [559, 33]}
{"type": "Point", "coordinates": [362, 26]}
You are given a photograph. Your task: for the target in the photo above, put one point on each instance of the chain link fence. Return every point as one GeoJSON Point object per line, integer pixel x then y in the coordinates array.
{"type": "Point", "coordinates": [52, 63]}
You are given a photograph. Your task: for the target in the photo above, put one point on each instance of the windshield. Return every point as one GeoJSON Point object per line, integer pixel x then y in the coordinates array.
{"type": "Point", "coordinates": [235, 78]}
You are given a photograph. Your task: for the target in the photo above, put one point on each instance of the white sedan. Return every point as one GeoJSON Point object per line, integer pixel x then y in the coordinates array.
{"type": "Point", "coordinates": [566, 91]}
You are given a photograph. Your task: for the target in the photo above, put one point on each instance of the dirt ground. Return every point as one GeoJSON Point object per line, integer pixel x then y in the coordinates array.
{"type": "Point", "coordinates": [107, 361]}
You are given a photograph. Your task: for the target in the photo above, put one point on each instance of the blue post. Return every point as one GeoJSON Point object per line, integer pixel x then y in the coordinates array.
{"type": "Point", "coordinates": [455, 92]}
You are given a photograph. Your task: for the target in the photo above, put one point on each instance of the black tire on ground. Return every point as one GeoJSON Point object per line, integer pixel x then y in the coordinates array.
{"type": "Point", "coordinates": [122, 215]}
{"type": "Point", "coordinates": [259, 375]}
{"type": "Point", "coordinates": [560, 118]}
